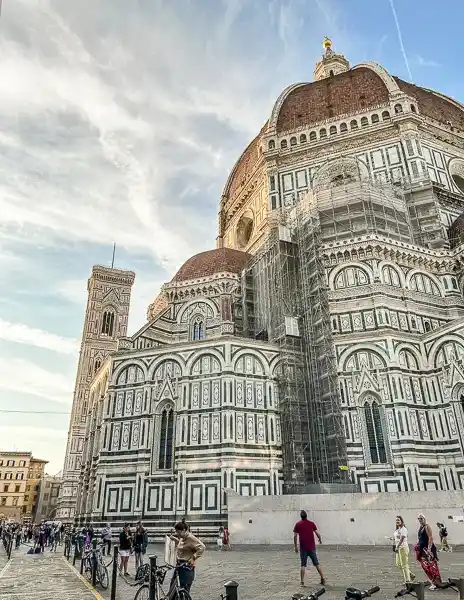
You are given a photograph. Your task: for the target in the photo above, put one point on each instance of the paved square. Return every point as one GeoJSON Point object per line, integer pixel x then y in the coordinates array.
{"type": "Point", "coordinates": [272, 573]}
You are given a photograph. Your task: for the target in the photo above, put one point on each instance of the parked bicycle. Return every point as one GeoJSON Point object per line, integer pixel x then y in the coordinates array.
{"type": "Point", "coordinates": [89, 557]}
{"type": "Point", "coordinates": [355, 594]}
{"type": "Point", "coordinates": [175, 591]}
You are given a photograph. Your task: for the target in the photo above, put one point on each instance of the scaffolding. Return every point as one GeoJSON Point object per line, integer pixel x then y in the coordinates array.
{"type": "Point", "coordinates": [286, 301]}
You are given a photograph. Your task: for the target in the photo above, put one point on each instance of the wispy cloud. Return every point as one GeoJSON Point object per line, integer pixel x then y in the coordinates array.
{"type": "Point", "coordinates": [25, 377]}
{"type": "Point", "coordinates": [423, 62]}
{"type": "Point", "coordinates": [22, 334]}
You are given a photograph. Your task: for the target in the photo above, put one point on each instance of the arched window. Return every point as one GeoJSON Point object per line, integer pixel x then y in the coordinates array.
{"type": "Point", "coordinates": [408, 360]}
{"type": "Point", "coordinates": [312, 136]}
{"type": "Point", "coordinates": [323, 133]}
{"type": "Point", "coordinates": [390, 276]}
{"type": "Point", "coordinates": [166, 439]}
{"type": "Point", "coordinates": [303, 138]}
{"type": "Point", "coordinates": [353, 124]}
{"type": "Point", "coordinates": [271, 145]}
{"type": "Point", "coordinates": [364, 122]}
{"type": "Point", "coordinates": [108, 323]}
{"type": "Point", "coordinates": [350, 277]}
{"type": "Point", "coordinates": [97, 364]}
{"type": "Point", "coordinates": [343, 127]}
{"type": "Point", "coordinates": [293, 141]}
{"type": "Point", "coordinates": [398, 109]}
{"type": "Point", "coordinates": [375, 118]}
{"type": "Point", "coordinates": [385, 115]}
{"type": "Point", "coordinates": [421, 282]}
{"type": "Point", "coordinates": [199, 330]}
{"type": "Point", "coordinates": [283, 144]}
{"type": "Point", "coordinates": [376, 440]}
{"type": "Point", "coordinates": [413, 108]}
{"type": "Point", "coordinates": [448, 352]}
{"type": "Point", "coordinates": [333, 130]}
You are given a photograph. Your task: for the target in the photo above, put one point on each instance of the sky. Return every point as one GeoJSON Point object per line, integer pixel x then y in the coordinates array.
{"type": "Point", "coordinates": [120, 122]}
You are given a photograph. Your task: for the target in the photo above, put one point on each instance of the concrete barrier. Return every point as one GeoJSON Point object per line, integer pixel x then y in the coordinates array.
{"type": "Point", "coordinates": [346, 519]}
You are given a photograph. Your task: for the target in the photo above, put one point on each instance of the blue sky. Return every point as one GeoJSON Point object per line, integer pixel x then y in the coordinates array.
{"type": "Point", "coordinates": [121, 121]}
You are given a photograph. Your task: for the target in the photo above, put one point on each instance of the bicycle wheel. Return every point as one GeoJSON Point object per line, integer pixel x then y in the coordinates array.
{"type": "Point", "coordinates": [143, 593]}
{"type": "Point", "coordinates": [102, 576]}
{"type": "Point", "coordinates": [182, 594]}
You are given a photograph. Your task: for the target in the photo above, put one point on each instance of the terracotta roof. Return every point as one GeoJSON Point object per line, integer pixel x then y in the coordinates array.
{"type": "Point", "coordinates": [433, 105]}
{"type": "Point", "coordinates": [245, 165]}
{"type": "Point", "coordinates": [205, 264]}
{"type": "Point", "coordinates": [347, 92]}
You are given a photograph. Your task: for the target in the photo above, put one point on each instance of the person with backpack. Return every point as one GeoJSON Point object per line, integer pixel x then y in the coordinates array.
{"type": "Point", "coordinates": [443, 533]}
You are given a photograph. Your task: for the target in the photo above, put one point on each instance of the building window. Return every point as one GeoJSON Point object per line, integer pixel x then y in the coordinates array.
{"type": "Point", "coordinates": [333, 130]}
{"type": "Point", "coordinates": [376, 441]}
{"type": "Point", "coordinates": [166, 439]}
{"type": "Point", "coordinates": [26, 497]}
{"type": "Point", "coordinates": [398, 109]}
{"type": "Point", "coordinates": [323, 133]}
{"type": "Point", "coordinates": [353, 124]}
{"type": "Point", "coordinates": [3, 502]}
{"type": "Point", "coordinates": [108, 323]}
{"type": "Point", "coordinates": [6, 487]}
{"type": "Point", "coordinates": [343, 127]}
{"type": "Point", "coordinates": [15, 501]}
{"type": "Point", "coordinates": [283, 144]}
{"type": "Point", "coordinates": [46, 497]}
{"type": "Point", "coordinates": [22, 463]}
{"type": "Point", "coordinates": [313, 136]}
{"type": "Point", "coordinates": [375, 118]}
{"type": "Point", "coordinates": [19, 475]}
{"type": "Point", "coordinates": [364, 122]}
{"type": "Point", "coordinates": [199, 330]}
{"type": "Point", "coordinates": [17, 488]}
{"type": "Point", "coordinates": [10, 463]}
{"type": "Point", "coordinates": [303, 138]}
{"type": "Point", "coordinates": [413, 108]}
{"type": "Point", "coordinates": [271, 145]}
{"type": "Point", "coordinates": [8, 475]}
{"type": "Point", "coordinates": [385, 115]}
{"type": "Point", "coordinates": [293, 141]}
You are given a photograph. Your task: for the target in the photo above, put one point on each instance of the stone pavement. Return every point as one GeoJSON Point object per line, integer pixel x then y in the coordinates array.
{"type": "Point", "coordinates": [272, 573]}
{"type": "Point", "coordinates": [41, 577]}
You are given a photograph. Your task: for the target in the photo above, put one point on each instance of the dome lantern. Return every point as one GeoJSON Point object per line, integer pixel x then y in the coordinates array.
{"type": "Point", "coordinates": [331, 63]}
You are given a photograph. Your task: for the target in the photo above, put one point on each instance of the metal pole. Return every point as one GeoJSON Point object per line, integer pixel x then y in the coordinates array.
{"type": "Point", "coordinates": [94, 562]}
{"type": "Point", "coordinates": [152, 591]}
{"type": "Point", "coordinates": [10, 546]}
{"type": "Point", "coordinates": [114, 574]}
{"type": "Point", "coordinates": [82, 562]}
{"type": "Point", "coordinates": [231, 590]}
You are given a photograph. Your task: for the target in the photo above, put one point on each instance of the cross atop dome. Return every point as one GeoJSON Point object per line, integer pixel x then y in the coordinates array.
{"type": "Point", "coordinates": [331, 63]}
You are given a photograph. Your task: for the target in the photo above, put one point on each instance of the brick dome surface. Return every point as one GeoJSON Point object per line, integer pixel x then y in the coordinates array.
{"type": "Point", "coordinates": [205, 264]}
{"type": "Point", "coordinates": [348, 92]}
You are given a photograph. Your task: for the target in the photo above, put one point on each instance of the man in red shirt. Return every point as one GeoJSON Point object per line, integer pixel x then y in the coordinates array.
{"type": "Point", "coordinates": [305, 530]}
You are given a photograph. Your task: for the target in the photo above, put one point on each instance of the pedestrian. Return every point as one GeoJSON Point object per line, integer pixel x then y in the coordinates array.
{"type": "Point", "coordinates": [401, 549]}
{"type": "Point", "coordinates": [107, 536]}
{"type": "Point", "coordinates": [140, 544]}
{"type": "Point", "coordinates": [219, 537]}
{"type": "Point", "coordinates": [443, 533]}
{"type": "Point", "coordinates": [125, 547]}
{"type": "Point", "coordinates": [226, 538]}
{"type": "Point", "coordinates": [188, 549]}
{"type": "Point", "coordinates": [304, 532]}
{"type": "Point", "coordinates": [426, 552]}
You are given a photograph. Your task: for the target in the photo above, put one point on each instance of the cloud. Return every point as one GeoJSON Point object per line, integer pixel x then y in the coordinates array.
{"type": "Point", "coordinates": [24, 377]}
{"type": "Point", "coordinates": [22, 334]}
{"type": "Point", "coordinates": [422, 62]}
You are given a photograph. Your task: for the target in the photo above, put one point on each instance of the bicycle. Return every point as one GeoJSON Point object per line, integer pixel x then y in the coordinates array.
{"type": "Point", "coordinates": [102, 576]}
{"type": "Point", "coordinates": [175, 592]}
{"type": "Point", "coordinates": [355, 594]}
{"type": "Point", "coordinates": [299, 596]}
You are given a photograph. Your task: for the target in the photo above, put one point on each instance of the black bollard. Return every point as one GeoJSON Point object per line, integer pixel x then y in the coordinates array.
{"type": "Point", "coordinates": [94, 562]}
{"type": "Point", "coordinates": [458, 583]}
{"type": "Point", "coordinates": [152, 592]}
{"type": "Point", "coordinates": [82, 563]}
{"type": "Point", "coordinates": [10, 547]}
{"type": "Point", "coordinates": [114, 574]}
{"type": "Point", "coordinates": [418, 588]}
{"type": "Point", "coordinates": [231, 590]}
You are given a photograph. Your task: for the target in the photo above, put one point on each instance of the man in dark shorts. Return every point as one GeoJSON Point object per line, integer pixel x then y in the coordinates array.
{"type": "Point", "coordinates": [304, 530]}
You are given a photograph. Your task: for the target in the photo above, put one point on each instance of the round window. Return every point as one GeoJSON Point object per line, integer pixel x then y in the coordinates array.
{"type": "Point", "coordinates": [244, 230]}
{"type": "Point", "coordinates": [459, 181]}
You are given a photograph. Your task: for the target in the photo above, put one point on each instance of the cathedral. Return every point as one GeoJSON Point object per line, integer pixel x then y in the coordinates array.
{"type": "Point", "coordinates": [319, 347]}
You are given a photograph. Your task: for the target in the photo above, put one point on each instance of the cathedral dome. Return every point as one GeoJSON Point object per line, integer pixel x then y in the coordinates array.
{"type": "Point", "coordinates": [211, 262]}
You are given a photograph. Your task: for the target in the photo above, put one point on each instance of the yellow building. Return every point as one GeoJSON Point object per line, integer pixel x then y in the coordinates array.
{"type": "Point", "coordinates": [31, 496]}
{"type": "Point", "coordinates": [14, 469]}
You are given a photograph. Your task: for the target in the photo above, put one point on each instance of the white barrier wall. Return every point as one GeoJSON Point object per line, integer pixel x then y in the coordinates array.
{"type": "Point", "coordinates": [357, 519]}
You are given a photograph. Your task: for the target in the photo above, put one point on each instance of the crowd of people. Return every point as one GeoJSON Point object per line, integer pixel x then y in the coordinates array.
{"type": "Point", "coordinates": [426, 552]}
{"type": "Point", "coordinates": [37, 536]}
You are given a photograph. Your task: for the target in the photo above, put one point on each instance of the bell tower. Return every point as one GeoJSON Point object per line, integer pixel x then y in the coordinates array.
{"type": "Point", "coordinates": [331, 63]}
{"type": "Point", "coordinates": [106, 315]}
